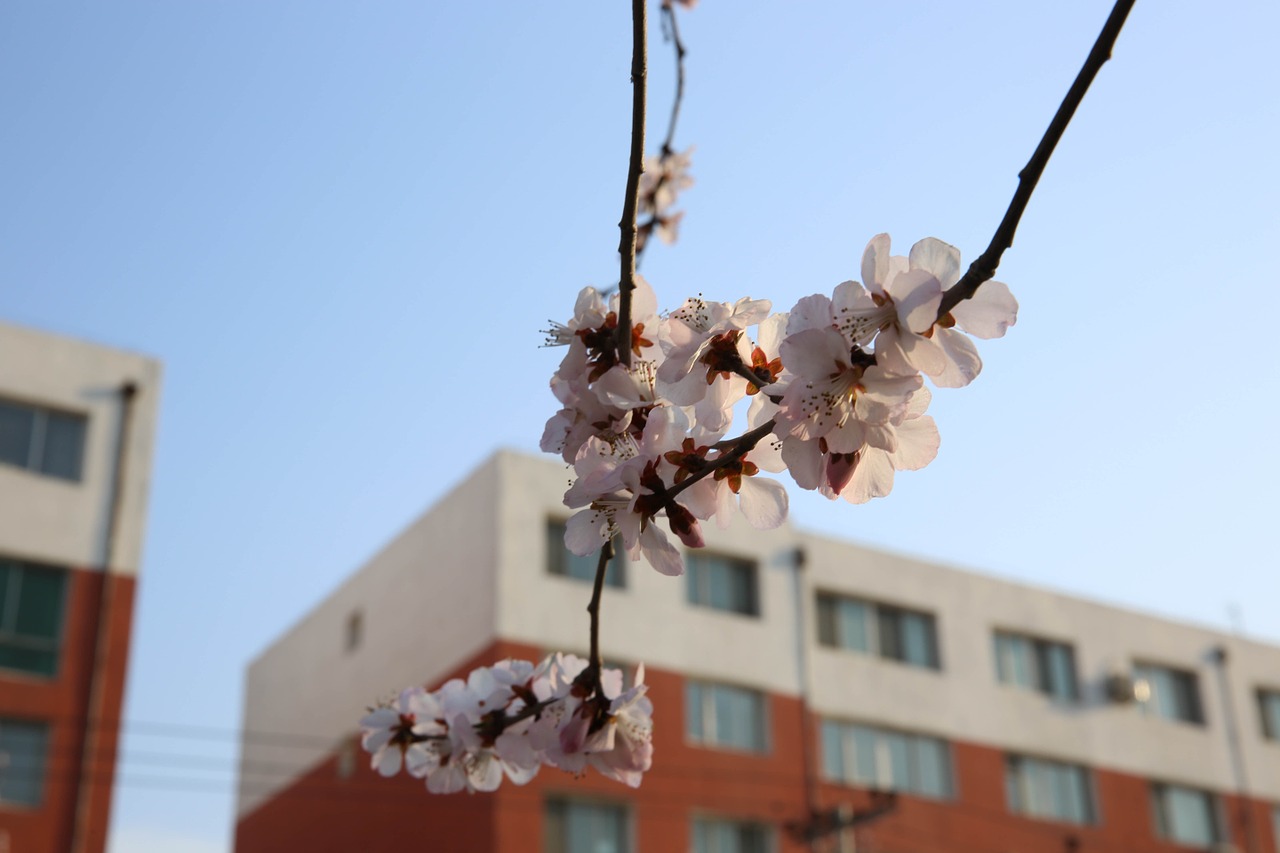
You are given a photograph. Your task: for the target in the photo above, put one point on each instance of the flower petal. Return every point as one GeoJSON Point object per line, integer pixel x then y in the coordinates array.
{"type": "Point", "coordinates": [939, 258]}
{"type": "Point", "coordinates": [989, 312]}
{"type": "Point", "coordinates": [763, 502]}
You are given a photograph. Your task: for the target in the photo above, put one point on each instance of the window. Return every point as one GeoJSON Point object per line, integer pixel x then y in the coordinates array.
{"type": "Point", "coordinates": [584, 827]}
{"type": "Point", "coordinates": [1269, 706]}
{"type": "Point", "coordinates": [878, 629]}
{"type": "Point", "coordinates": [30, 616]}
{"type": "Point", "coordinates": [711, 835]}
{"type": "Point", "coordinates": [1036, 787]}
{"type": "Point", "coordinates": [723, 715]}
{"type": "Point", "coordinates": [886, 759]}
{"type": "Point", "coordinates": [24, 748]}
{"type": "Point", "coordinates": [355, 630]}
{"type": "Point", "coordinates": [1037, 665]}
{"type": "Point", "coordinates": [561, 562]}
{"type": "Point", "coordinates": [722, 583]}
{"type": "Point", "coordinates": [1173, 694]}
{"type": "Point", "coordinates": [43, 440]}
{"type": "Point", "coordinates": [1185, 815]}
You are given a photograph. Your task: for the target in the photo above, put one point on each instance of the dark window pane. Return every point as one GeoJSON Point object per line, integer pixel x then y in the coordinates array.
{"type": "Point", "coordinates": [16, 431]}
{"type": "Point", "coordinates": [39, 603]}
{"type": "Point", "coordinates": [827, 621]}
{"type": "Point", "coordinates": [722, 583]}
{"type": "Point", "coordinates": [23, 753]}
{"type": "Point", "coordinates": [63, 451]}
{"type": "Point", "coordinates": [1269, 704]}
{"type": "Point", "coordinates": [35, 661]}
{"type": "Point", "coordinates": [560, 561]}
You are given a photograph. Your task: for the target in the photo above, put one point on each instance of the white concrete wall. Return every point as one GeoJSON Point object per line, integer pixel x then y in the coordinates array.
{"type": "Point", "coordinates": [965, 700]}
{"type": "Point", "coordinates": [427, 602]}
{"type": "Point", "coordinates": [487, 548]}
{"type": "Point", "coordinates": [61, 522]}
{"type": "Point", "coordinates": [650, 620]}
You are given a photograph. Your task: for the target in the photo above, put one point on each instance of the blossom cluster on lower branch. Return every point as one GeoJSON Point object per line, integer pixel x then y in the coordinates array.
{"type": "Point", "coordinates": [837, 388]}
{"type": "Point", "coordinates": [511, 718]}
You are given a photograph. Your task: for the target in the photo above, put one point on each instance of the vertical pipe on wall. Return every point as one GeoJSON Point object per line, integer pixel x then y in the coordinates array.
{"type": "Point", "coordinates": [94, 723]}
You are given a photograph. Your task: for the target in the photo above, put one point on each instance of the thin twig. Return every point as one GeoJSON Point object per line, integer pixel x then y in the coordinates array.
{"type": "Point", "coordinates": [742, 445]}
{"type": "Point", "coordinates": [606, 556]}
{"type": "Point", "coordinates": [669, 16]}
{"type": "Point", "coordinates": [984, 267]}
{"type": "Point", "coordinates": [627, 244]}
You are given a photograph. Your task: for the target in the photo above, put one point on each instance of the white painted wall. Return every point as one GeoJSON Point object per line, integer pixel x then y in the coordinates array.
{"type": "Point", "coordinates": [65, 523]}
{"type": "Point", "coordinates": [427, 602]}
{"type": "Point", "coordinates": [485, 546]}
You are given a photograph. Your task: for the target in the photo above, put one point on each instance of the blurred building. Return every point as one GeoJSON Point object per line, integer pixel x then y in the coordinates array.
{"type": "Point", "coordinates": [796, 679]}
{"type": "Point", "coordinates": [77, 424]}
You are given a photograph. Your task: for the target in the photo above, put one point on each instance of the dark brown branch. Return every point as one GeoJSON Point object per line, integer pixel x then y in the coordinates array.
{"type": "Point", "coordinates": [627, 244]}
{"type": "Point", "coordinates": [606, 556]}
{"type": "Point", "coordinates": [741, 446]}
{"type": "Point", "coordinates": [669, 18]}
{"type": "Point", "coordinates": [984, 267]}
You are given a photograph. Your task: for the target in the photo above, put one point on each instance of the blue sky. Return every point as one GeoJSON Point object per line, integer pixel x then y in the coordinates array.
{"type": "Point", "coordinates": [340, 226]}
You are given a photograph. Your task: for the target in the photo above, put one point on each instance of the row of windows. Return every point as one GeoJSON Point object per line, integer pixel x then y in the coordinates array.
{"type": "Point", "coordinates": [574, 826]}
{"type": "Point", "coordinates": [43, 440]}
{"type": "Point", "coordinates": [911, 636]}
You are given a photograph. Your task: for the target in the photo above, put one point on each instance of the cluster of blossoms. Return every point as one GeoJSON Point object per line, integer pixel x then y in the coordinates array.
{"type": "Point", "coordinates": [837, 388]}
{"type": "Point", "coordinates": [663, 179]}
{"type": "Point", "coordinates": [510, 719]}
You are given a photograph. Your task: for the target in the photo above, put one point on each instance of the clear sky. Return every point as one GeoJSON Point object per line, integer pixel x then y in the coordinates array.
{"type": "Point", "coordinates": [341, 226]}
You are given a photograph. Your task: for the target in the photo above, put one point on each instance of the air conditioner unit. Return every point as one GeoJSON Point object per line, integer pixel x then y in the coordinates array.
{"type": "Point", "coordinates": [1122, 689]}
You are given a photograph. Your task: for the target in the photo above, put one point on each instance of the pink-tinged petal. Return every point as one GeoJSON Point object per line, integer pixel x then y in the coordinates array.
{"type": "Point", "coordinates": [804, 461]}
{"type": "Point", "coordinates": [875, 263]}
{"type": "Point", "coordinates": [916, 295]}
{"type": "Point", "coordinates": [918, 442]}
{"type": "Point", "coordinates": [811, 312]}
{"type": "Point", "coordinates": [763, 501]}
{"type": "Point", "coordinates": [889, 352]}
{"type": "Point", "coordinates": [962, 364]}
{"type": "Point", "coordinates": [387, 760]}
{"type": "Point", "coordinates": [585, 532]}
{"type": "Point", "coordinates": [849, 436]}
{"type": "Point", "coordinates": [611, 682]}
{"type": "Point", "coordinates": [923, 354]}
{"type": "Point", "coordinates": [939, 258]}
{"type": "Point", "coordinates": [684, 525]}
{"type": "Point", "coordinates": [920, 401]}
{"type": "Point", "coordinates": [840, 468]}
{"type": "Point", "coordinates": [748, 312]}
{"type": "Point", "coordinates": [989, 312]}
{"type": "Point", "coordinates": [850, 296]}
{"type": "Point", "coordinates": [771, 332]}
{"type": "Point", "coordinates": [484, 771]}
{"type": "Point", "coordinates": [660, 553]}
{"type": "Point", "coordinates": [726, 505]}
{"type": "Point", "coordinates": [873, 478]}
{"type": "Point", "coordinates": [815, 353]}
{"type": "Point", "coordinates": [421, 759]}
{"type": "Point", "coordinates": [448, 779]}
{"type": "Point", "coordinates": [644, 302]}
{"type": "Point", "coordinates": [687, 390]}
{"type": "Point", "coordinates": [700, 498]}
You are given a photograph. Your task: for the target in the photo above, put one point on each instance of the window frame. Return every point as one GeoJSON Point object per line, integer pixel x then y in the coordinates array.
{"type": "Point", "coordinates": [877, 617]}
{"type": "Point", "coordinates": [1041, 670]}
{"type": "Point", "coordinates": [1023, 808]}
{"type": "Point", "coordinates": [707, 736]}
{"type": "Point", "coordinates": [1269, 720]}
{"type": "Point", "coordinates": [564, 801]}
{"type": "Point", "coordinates": [699, 568]}
{"type": "Point", "coordinates": [767, 830]}
{"type": "Point", "coordinates": [11, 638]}
{"type": "Point", "coordinates": [847, 733]}
{"type": "Point", "coordinates": [558, 560]}
{"type": "Point", "coordinates": [1189, 681]}
{"type": "Point", "coordinates": [41, 782]}
{"type": "Point", "coordinates": [1160, 816]}
{"type": "Point", "coordinates": [37, 441]}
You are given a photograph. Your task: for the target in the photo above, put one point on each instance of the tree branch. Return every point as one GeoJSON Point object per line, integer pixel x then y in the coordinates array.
{"type": "Point", "coordinates": [984, 267]}
{"type": "Point", "coordinates": [606, 555]}
{"type": "Point", "coordinates": [627, 244]}
{"type": "Point", "coordinates": [741, 446]}
{"type": "Point", "coordinates": [669, 18]}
